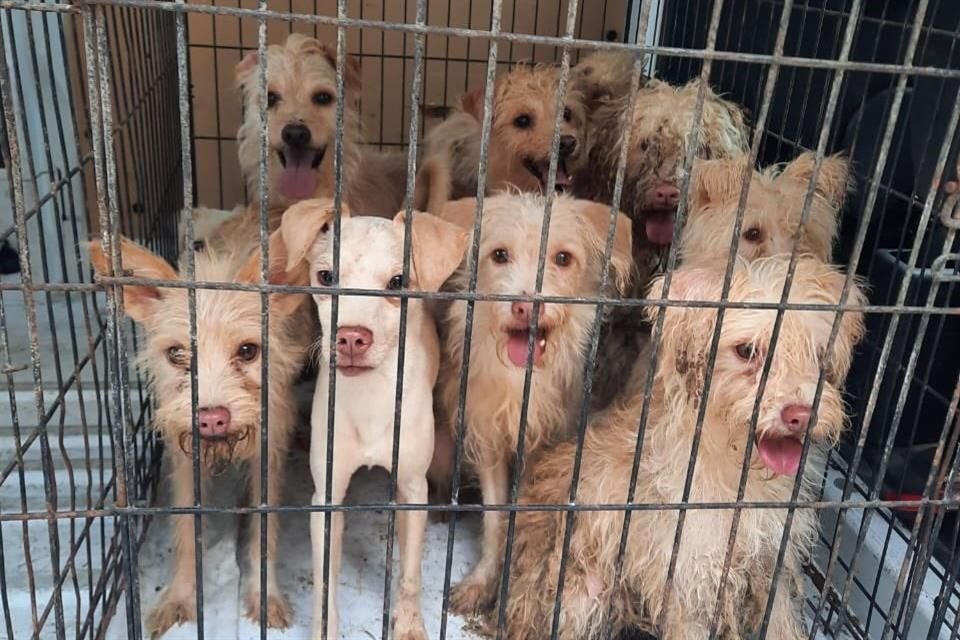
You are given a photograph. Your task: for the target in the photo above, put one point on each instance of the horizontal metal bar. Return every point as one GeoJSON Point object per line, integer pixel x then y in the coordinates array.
{"type": "Point", "coordinates": [553, 41]}
{"type": "Point", "coordinates": [496, 297]}
{"type": "Point", "coordinates": [949, 504]}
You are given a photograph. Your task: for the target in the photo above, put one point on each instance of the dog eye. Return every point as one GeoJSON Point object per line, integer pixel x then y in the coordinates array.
{"type": "Point", "coordinates": [177, 355]}
{"type": "Point", "coordinates": [272, 99]}
{"type": "Point", "coordinates": [199, 245]}
{"type": "Point", "coordinates": [522, 121]}
{"type": "Point", "coordinates": [396, 283]}
{"type": "Point", "coordinates": [745, 351]}
{"type": "Point", "coordinates": [752, 234]}
{"type": "Point", "coordinates": [322, 98]}
{"type": "Point", "coordinates": [563, 259]}
{"type": "Point", "coordinates": [500, 256]}
{"type": "Point", "coordinates": [567, 115]}
{"type": "Point", "coordinates": [248, 351]}
{"type": "Point", "coordinates": [325, 278]}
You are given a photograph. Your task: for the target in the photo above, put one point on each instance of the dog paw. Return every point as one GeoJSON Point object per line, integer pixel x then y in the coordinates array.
{"type": "Point", "coordinates": [472, 596]}
{"type": "Point", "coordinates": [171, 610]}
{"type": "Point", "coordinates": [408, 625]}
{"type": "Point", "coordinates": [279, 615]}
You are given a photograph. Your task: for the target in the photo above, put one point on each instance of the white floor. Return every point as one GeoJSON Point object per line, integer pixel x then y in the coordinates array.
{"type": "Point", "coordinates": [362, 576]}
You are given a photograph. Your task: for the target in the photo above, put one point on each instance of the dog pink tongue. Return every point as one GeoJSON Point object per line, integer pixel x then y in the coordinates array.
{"type": "Point", "coordinates": [517, 344]}
{"type": "Point", "coordinates": [298, 181]}
{"type": "Point", "coordinates": [561, 181]}
{"type": "Point", "coordinates": [659, 228]}
{"type": "Point", "coordinates": [780, 454]}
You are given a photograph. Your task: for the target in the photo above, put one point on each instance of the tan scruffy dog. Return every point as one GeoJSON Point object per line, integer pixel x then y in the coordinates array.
{"type": "Point", "coordinates": [301, 131]}
{"type": "Point", "coordinates": [590, 599]}
{"type": "Point", "coordinates": [773, 211]}
{"type": "Point", "coordinates": [228, 396]}
{"type": "Point", "coordinates": [524, 113]}
{"type": "Point", "coordinates": [509, 245]}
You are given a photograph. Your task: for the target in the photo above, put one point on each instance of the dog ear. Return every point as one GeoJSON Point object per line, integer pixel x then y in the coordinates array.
{"type": "Point", "coordinates": [621, 256]}
{"type": "Point", "coordinates": [138, 300]}
{"type": "Point", "coordinates": [302, 223]}
{"type": "Point", "coordinates": [833, 180]}
{"type": "Point", "coordinates": [462, 212]}
{"type": "Point", "coordinates": [245, 68]}
{"type": "Point", "coordinates": [852, 328]}
{"type": "Point", "coordinates": [714, 180]}
{"type": "Point", "coordinates": [437, 248]}
{"type": "Point", "coordinates": [351, 68]}
{"type": "Point", "coordinates": [278, 273]}
{"type": "Point", "coordinates": [472, 102]}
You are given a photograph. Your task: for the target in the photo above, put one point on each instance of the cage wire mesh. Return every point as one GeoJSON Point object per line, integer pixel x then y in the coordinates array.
{"type": "Point", "coordinates": [118, 113]}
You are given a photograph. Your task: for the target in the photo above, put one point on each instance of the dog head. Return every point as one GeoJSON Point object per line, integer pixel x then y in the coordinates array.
{"type": "Point", "coordinates": [509, 247]}
{"type": "Point", "coordinates": [661, 122]}
{"type": "Point", "coordinates": [524, 114]}
{"type": "Point", "coordinates": [301, 117]}
{"type": "Point", "coordinates": [603, 76]}
{"type": "Point", "coordinates": [800, 352]}
{"type": "Point", "coordinates": [229, 348]}
{"type": "Point", "coordinates": [371, 257]}
{"type": "Point", "coordinates": [773, 209]}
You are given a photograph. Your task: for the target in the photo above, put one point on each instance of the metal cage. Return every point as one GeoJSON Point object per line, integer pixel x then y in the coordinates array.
{"type": "Point", "coordinates": [119, 114]}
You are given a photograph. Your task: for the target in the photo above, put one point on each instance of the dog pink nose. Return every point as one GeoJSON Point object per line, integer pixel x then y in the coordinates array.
{"type": "Point", "coordinates": [796, 417]}
{"type": "Point", "coordinates": [214, 422]}
{"type": "Point", "coordinates": [523, 310]}
{"type": "Point", "coordinates": [352, 341]}
{"type": "Point", "coordinates": [665, 195]}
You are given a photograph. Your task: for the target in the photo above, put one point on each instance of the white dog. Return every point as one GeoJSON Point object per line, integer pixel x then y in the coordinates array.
{"type": "Point", "coordinates": [367, 348]}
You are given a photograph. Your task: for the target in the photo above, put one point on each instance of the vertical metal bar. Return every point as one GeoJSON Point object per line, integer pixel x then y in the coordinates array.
{"type": "Point", "coordinates": [485, 131]}
{"type": "Point", "coordinates": [101, 123]}
{"type": "Point", "coordinates": [415, 91]}
{"type": "Point", "coordinates": [186, 167]}
{"type": "Point", "coordinates": [335, 298]}
{"type": "Point", "coordinates": [264, 205]}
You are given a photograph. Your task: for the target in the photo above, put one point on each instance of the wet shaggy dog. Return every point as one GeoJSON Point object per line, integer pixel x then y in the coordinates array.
{"type": "Point", "coordinates": [509, 249]}
{"type": "Point", "coordinates": [772, 215]}
{"type": "Point", "coordinates": [524, 113]}
{"type": "Point", "coordinates": [591, 600]}
{"type": "Point", "coordinates": [228, 371]}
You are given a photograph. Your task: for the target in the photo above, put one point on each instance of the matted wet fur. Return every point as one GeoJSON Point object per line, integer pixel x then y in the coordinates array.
{"type": "Point", "coordinates": [509, 244]}
{"type": "Point", "coordinates": [590, 600]}
{"type": "Point", "coordinates": [228, 397]}
{"type": "Point", "coordinates": [521, 136]}
{"type": "Point", "coordinates": [603, 76]}
{"type": "Point", "coordinates": [771, 217]}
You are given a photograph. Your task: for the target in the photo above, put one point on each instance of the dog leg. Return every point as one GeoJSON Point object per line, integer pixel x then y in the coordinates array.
{"type": "Point", "coordinates": [407, 614]}
{"type": "Point", "coordinates": [440, 473]}
{"type": "Point", "coordinates": [318, 522]}
{"type": "Point", "coordinates": [477, 592]}
{"type": "Point", "coordinates": [279, 615]}
{"type": "Point", "coordinates": [178, 602]}
{"type": "Point", "coordinates": [784, 622]}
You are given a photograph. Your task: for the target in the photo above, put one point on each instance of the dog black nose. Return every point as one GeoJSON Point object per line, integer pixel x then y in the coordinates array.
{"type": "Point", "coordinates": [568, 144]}
{"type": "Point", "coordinates": [296, 135]}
